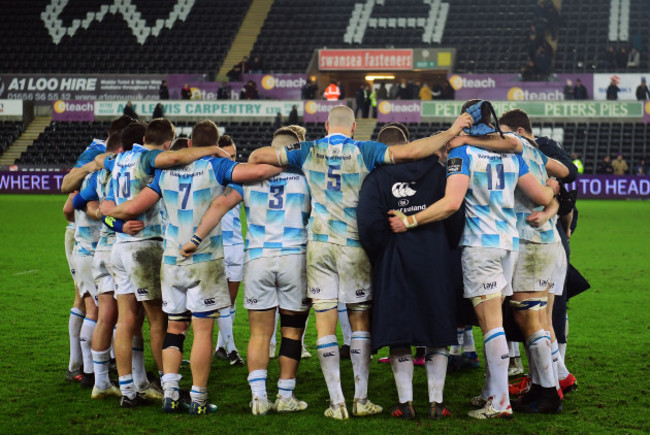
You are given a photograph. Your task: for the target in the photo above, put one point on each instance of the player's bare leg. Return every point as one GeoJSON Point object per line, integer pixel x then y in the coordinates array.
{"type": "Point", "coordinates": [172, 355]}
{"type": "Point", "coordinates": [85, 339]}
{"type": "Point", "coordinates": [292, 328]}
{"type": "Point", "coordinates": [77, 314]}
{"type": "Point", "coordinates": [128, 322]}
{"type": "Point", "coordinates": [262, 326]}
{"type": "Point", "coordinates": [101, 343]}
{"type": "Point", "coordinates": [157, 329]}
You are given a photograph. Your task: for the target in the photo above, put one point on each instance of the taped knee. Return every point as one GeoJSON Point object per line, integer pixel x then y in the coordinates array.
{"type": "Point", "coordinates": [293, 320]}
{"type": "Point", "coordinates": [174, 340]}
{"type": "Point", "coordinates": [532, 304]}
{"type": "Point", "coordinates": [182, 317]}
{"type": "Point", "coordinates": [477, 300]}
{"type": "Point", "coordinates": [359, 306]}
{"type": "Point", "coordinates": [291, 348]}
{"type": "Point", "coordinates": [322, 305]}
{"type": "Point", "coordinates": [214, 314]}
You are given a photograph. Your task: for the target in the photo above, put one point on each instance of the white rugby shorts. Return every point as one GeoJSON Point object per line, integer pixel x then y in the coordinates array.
{"type": "Point", "coordinates": [535, 266]}
{"type": "Point", "coordinates": [69, 247]}
{"type": "Point", "coordinates": [196, 287]}
{"type": "Point", "coordinates": [102, 272]}
{"type": "Point", "coordinates": [279, 281]}
{"type": "Point", "coordinates": [233, 256]}
{"type": "Point", "coordinates": [487, 271]}
{"type": "Point", "coordinates": [84, 273]}
{"type": "Point", "coordinates": [558, 277]}
{"type": "Point", "coordinates": [136, 268]}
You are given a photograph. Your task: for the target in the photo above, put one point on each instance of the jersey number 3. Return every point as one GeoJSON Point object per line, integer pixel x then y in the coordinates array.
{"type": "Point", "coordinates": [498, 182]}
{"type": "Point", "coordinates": [277, 200]}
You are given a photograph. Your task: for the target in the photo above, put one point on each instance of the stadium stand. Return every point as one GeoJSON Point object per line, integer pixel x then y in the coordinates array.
{"type": "Point", "coordinates": [89, 36]}
{"type": "Point", "coordinates": [9, 132]}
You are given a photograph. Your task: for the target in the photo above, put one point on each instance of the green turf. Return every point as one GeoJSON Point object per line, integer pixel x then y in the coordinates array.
{"type": "Point", "coordinates": [608, 346]}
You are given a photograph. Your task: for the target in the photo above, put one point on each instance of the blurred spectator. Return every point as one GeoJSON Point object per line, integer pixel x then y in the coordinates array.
{"type": "Point", "coordinates": [612, 89]}
{"type": "Point", "coordinates": [234, 75]}
{"type": "Point", "coordinates": [448, 91]}
{"type": "Point", "coordinates": [569, 90]}
{"type": "Point", "coordinates": [382, 92]}
{"type": "Point", "coordinates": [332, 91]}
{"type": "Point", "coordinates": [641, 168]}
{"type": "Point", "coordinates": [621, 58]}
{"type": "Point", "coordinates": [224, 92]}
{"type": "Point", "coordinates": [610, 58]}
{"type": "Point", "coordinates": [620, 165]}
{"type": "Point", "coordinates": [605, 166]}
{"type": "Point", "coordinates": [186, 92]}
{"type": "Point", "coordinates": [393, 93]}
{"type": "Point", "coordinates": [642, 92]}
{"type": "Point", "coordinates": [129, 110]}
{"type": "Point", "coordinates": [158, 111]}
{"type": "Point", "coordinates": [163, 91]}
{"type": "Point", "coordinates": [533, 45]}
{"type": "Point", "coordinates": [250, 91]}
{"type": "Point", "coordinates": [277, 122]}
{"type": "Point", "coordinates": [413, 90]}
{"type": "Point", "coordinates": [373, 102]}
{"type": "Point", "coordinates": [528, 71]}
{"type": "Point", "coordinates": [244, 65]}
{"type": "Point", "coordinates": [293, 115]}
{"type": "Point", "coordinates": [366, 101]}
{"type": "Point", "coordinates": [577, 162]}
{"type": "Point", "coordinates": [425, 93]}
{"type": "Point", "coordinates": [309, 90]}
{"type": "Point", "coordinates": [341, 89]}
{"type": "Point", "coordinates": [543, 62]}
{"type": "Point", "coordinates": [580, 92]}
{"type": "Point", "coordinates": [256, 65]}
{"type": "Point", "coordinates": [403, 93]}
{"type": "Point", "coordinates": [634, 58]}
{"type": "Point", "coordinates": [359, 101]}
{"type": "Point", "coordinates": [436, 92]}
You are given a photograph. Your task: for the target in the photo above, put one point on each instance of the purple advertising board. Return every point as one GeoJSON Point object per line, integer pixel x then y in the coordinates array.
{"type": "Point", "coordinates": [76, 110]}
{"type": "Point", "coordinates": [510, 87]}
{"type": "Point", "coordinates": [31, 182]}
{"type": "Point", "coordinates": [318, 110]}
{"type": "Point", "coordinates": [611, 187]}
{"type": "Point", "coordinates": [399, 111]}
{"type": "Point", "coordinates": [646, 111]}
{"type": "Point", "coordinates": [278, 86]}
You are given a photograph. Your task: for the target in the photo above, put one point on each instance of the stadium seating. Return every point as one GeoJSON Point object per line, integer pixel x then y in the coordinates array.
{"type": "Point", "coordinates": [97, 39]}
{"type": "Point", "coordinates": [9, 132]}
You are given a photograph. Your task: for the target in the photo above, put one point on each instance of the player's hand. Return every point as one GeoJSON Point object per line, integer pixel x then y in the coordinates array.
{"type": "Point", "coordinates": [132, 227]}
{"type": "Point", "coordinates": [456, 142]}
{"type": "Point", "coordinates": [188, 249]}
{"type": "Point", "coordinates": [537, 218]}
{"type": "Point", "coordinates": [399, 222]}
{"type": "Point", "coordinates": [568, 233]}
{"type": "Point", "coordinates": [553, 184]}
{"type": "Point", "coordinates": [463, 121]}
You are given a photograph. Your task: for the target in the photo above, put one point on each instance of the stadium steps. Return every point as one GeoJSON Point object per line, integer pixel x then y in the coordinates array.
{"type": "Point", "coordinates": [36, 127]}
{"type": "Point", "coordinates": [243, 43]}
{"type": "Point", "coordinates": [365, 128]}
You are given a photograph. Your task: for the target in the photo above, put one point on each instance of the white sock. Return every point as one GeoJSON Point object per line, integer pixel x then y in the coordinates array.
{"type": "Point", "coordinates": [344, 321]}
{"type": "Point", "coordinates": [85, 338]}
{"type": "Point", "coordinates": [436, 364]}
{"type": "Point", "coordinates": [101, 362]}
{"type": "Point", "coordinates": [562, 347]}
{"type": "Point", "coordinates": [233, 311]}
{"type": "Point", "coordinates": [257, 381]}
{"type": "Point", "coordinates": [539, 347]}
{"type": "Point", "coordinates": [456, 349]}
{"type": "Point", "coordinates": [127, 387]}
{"type": "Point", "coordinates": [532, 370]}
{"type": "Point", "coordinates": [112, 348]}
{"type": "Point", "coordinates": [558, 361]}
{"type": "Point", "coordinates": [513, 349]}
{"type": "Point", "coordinates": [360, 347]}
{"type": "Point", "coordinates": [225, 329]}
{"type": "Point", "coordinates": [74, 328]}
{"type": "Point", "coordinates": [137, 363]}
{"type": "Point", "coordinates": [199, 394]}
{"type": "Point", "coordinates": [170, 384]}
{"type": "Point", "coordinates": [468, 340]}
{"type": "Point", "coordinates": [401, 361]}
{"type": "Point", "coordinates": [485, 392]}
{"type": "Point", "coordinates": [328, 355]}
{"type": "Point", "coordinates": [286, 387]}
{"type": "Point", "coordinates": [496, 350]}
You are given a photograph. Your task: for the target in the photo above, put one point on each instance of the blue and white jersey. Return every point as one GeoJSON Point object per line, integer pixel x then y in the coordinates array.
{"type": "Point", "coordinates": [96, 148]}
{"type": "Point", "coordinates": [335, 167]}
{"type": "Point", "coordinates": [231, 227]}
{"type": "Point", "coordinates": [86, 234]}
{"type": "Point", "coordinates": [524, 206]}
{"type": "Point", "coordinates": [105, 193]}
{"type": "Point", "coordinates": [187, 192]}
{"type": "Point", "coordinates": [490, 219]}
{"type": "Point", "coordinates": [131, 171]}
{"type": "Point", "coordinates": [277, 214]}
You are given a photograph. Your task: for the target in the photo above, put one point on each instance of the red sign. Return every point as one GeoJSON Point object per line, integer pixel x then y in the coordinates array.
{"type": "Point", "coordinates": [366, 60]}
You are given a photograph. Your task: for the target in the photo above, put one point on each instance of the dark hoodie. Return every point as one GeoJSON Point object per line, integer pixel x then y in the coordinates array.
{"type": "Point", "coordinates": [413, 292]}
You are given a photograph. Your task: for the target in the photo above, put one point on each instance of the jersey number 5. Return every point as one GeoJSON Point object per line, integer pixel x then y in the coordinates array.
{"type": "Point", "coordinates": [334, 179]}
{"type": "Point", "coordinates": [500, 181]}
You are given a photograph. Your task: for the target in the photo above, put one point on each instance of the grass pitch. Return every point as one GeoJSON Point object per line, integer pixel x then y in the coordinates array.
{"type": "Point", "coordinates": [609, 342]}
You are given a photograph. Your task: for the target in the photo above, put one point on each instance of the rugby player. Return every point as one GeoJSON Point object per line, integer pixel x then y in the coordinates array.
{"type": "Point", "coordinates": [490, 240]}
{"type": "Point", "coordinates": [337, 266]}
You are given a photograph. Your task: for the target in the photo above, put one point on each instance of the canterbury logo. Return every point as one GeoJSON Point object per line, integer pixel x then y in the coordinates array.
{"type": "Point", "coordinates": [129, 11]}
{"type": "Point", "coordinates": [400, 190]}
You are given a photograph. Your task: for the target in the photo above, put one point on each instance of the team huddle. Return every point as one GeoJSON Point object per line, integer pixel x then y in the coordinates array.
{"type": "Point", "coordinates": [154, 232]}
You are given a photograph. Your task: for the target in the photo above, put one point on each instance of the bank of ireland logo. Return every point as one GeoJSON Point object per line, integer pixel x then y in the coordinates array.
{"type": "Point", "coordinates": [384, 107]}
{"type": "Point", "coordinates": [59, 106]}
{"type": "Point", "coordinates": [647, 107]}
{"type": "Point", "coordinates": [456, 82]}
{"type": "Point", "coordinates": [311, 107]}
{"type": "Point", "coordinates": [515, 94]}
{"type": "Point", "coordinates": [268, 82]}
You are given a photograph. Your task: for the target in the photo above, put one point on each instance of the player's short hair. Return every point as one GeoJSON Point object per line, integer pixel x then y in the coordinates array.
{"type": "Point", "coordinates": [205, 134]}
{"type": "Point", "coordinates": [179, 143]}
{"type": "Point", "coordinates": [225, 141]}
{"type": "Point", "coordinates": [120, 124]}
{"type": "Point", "coordinates": [394, 133]}
{"type": "Point", "coordinates": [515, 119]}
{"type": "Point", "coordinates": [114, 142]}
{"type": "Point", "coordinates": [289, 132]}
{"type": "Point", "coordinates": [133, 134]}
{"type": "Point", "coordinates": [486, 115]}
{"type": "Point", "coordinates": [159, 131]}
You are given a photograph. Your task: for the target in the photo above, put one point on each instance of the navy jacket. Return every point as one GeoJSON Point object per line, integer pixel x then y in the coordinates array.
{"type": "Point", "coordinates": [414, 298]}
